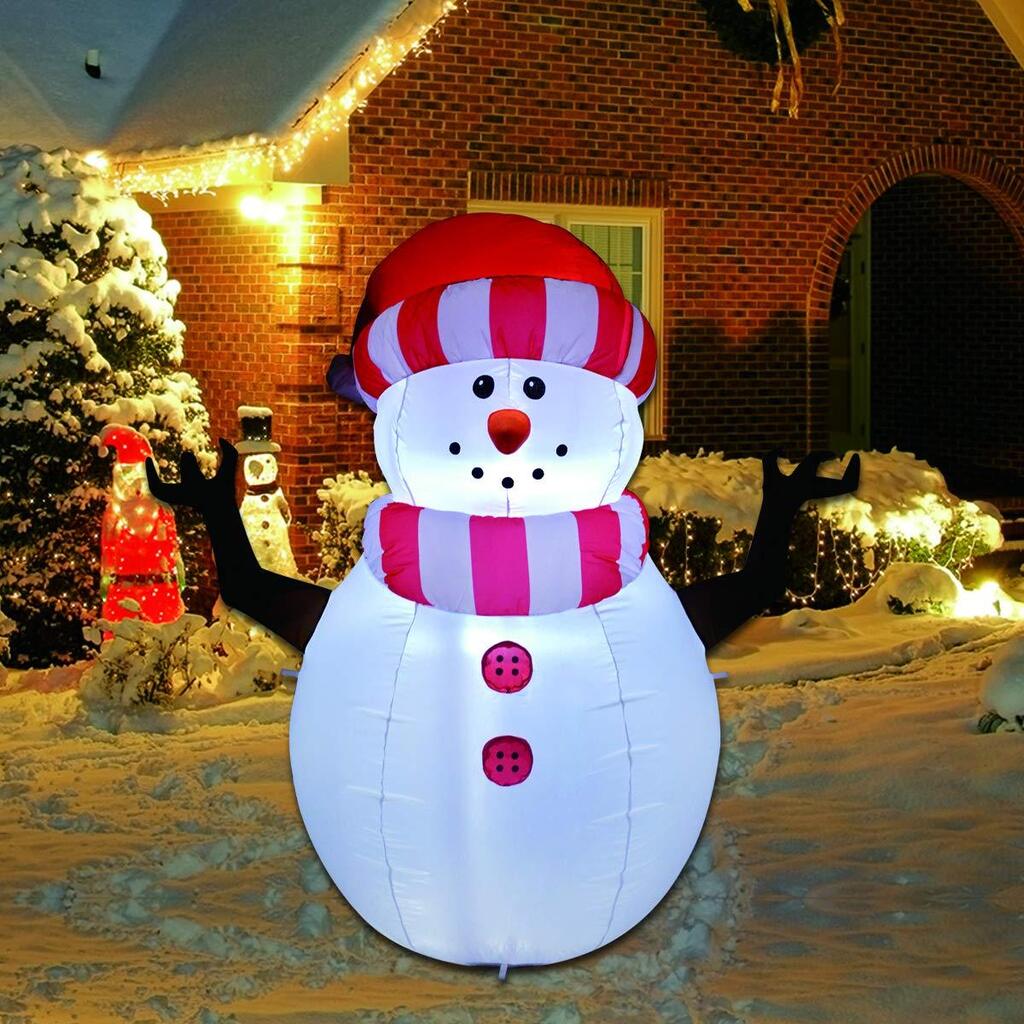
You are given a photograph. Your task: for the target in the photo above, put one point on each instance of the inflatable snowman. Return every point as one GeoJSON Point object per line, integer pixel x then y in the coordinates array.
{"type": "Point", "coordinates": [505, 734]}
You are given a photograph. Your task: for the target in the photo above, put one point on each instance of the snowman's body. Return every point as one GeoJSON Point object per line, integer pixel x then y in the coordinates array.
{"type": "Point", "coordinates": [393, 714]}
{"type": "Point", "coordinates": [622, 721]}
{"type": "Point", "coordinates": [266, 516]}
{"type": "Point", "coordinates": [264, 508]}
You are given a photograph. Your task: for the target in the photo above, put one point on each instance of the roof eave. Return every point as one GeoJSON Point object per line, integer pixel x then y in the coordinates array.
{"type": "Point", "coordinates": [256, 158]}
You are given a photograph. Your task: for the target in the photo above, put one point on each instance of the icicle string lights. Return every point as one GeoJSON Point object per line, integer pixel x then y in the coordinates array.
{"type": "Point", "coordinates": [205, 168]}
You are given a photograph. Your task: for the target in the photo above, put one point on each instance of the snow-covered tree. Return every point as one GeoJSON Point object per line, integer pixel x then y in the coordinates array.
{"type": "Point", "coordinates": [87, 337]}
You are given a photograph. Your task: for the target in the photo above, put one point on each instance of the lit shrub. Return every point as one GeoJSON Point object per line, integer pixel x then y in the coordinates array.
{"type": "Point", "coordinates": [343, 502]}
{"type": "Point", "coordinates": [703, 510]}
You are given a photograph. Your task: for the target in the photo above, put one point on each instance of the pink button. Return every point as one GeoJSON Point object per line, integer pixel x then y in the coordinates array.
{"type": "Point", "coordinates": [507, 667]}
{"type": "Point", "coordinates": [507, 760]}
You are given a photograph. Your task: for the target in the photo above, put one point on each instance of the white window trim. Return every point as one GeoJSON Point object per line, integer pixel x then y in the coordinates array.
{"type": "Point", "coordinates": [652, 222]}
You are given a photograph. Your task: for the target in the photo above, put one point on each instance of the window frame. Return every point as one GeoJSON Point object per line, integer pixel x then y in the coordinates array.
{"type": "Point", "coordinates": [651, 221]}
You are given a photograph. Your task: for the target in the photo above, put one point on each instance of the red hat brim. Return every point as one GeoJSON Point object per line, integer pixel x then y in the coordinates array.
{"type": "Point", "coordinates": [471, 246]}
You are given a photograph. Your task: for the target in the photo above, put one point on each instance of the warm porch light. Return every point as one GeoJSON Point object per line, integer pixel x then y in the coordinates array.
{"type": "Point", "coordinates": [254, 207]}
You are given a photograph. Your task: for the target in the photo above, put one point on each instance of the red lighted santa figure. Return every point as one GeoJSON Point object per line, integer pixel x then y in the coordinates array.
{"type": "Point", "coordinates": [140, 562]}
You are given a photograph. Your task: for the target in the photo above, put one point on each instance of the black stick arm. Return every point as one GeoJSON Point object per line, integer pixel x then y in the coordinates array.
{"type": "Point", "coordinates": [289, 607]}
{"type": "Point", "coordinates": [719, 606]}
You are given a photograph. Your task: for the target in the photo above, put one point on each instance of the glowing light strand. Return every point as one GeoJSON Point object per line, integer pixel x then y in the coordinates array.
{"type": "Point", "coordinates": [203, 169]}
{"type": "Point", "coordinates": [843, 565]}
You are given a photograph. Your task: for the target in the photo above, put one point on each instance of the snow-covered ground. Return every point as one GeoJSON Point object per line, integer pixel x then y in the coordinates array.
{"type": "Point", "coordinates": [863, 861]}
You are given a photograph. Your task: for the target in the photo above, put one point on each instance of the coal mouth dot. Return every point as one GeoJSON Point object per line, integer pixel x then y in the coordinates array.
{"type": "Point", "coordinates": [538, 474]}
{"type": "Point", "coordinates": [455, 447]}
{"type": "Point", "coordinates": [508, 482]}
{"type": "Point", "coordinates": [477, 472]}
{"type": "Point", "coordinates": [562, 450]}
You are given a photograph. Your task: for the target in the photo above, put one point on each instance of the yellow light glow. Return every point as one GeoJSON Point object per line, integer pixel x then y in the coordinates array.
{"type": "Point", "coordinates": [987, 600]}
{"type": "Point", "coordinates": [292, 239]}
{"type": "Point", "coordinates": [98, 159]}
{"type": "Point", "coordinates": [255, 207]}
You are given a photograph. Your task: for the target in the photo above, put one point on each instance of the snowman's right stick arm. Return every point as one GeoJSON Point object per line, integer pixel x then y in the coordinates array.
{"type": "Point", "coordinates": [719, 606]}
{"type": "Point", "coordinates": [289, 607]}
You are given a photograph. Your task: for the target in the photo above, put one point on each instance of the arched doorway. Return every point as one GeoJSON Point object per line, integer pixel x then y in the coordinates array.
{"type": "Point", "coordinates": [916, 319]}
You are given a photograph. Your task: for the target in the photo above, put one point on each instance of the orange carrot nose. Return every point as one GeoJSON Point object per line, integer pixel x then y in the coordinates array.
{"type": "Point", "coordinates": [508, 428]}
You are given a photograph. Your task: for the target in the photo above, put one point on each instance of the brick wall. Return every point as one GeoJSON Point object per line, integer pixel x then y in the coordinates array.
{"type": "Point", "coordinates": [264, 313]}
{"type": "Point", "coordinates": [641, 91]}
{"type": "Point", "coordinates": [947, 324]}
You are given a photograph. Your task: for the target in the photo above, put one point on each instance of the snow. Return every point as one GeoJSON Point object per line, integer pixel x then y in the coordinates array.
{"type": "Point", "coordinates": [158, 56]}
{"type": "Point", "coordinates": [915, 610]}
{"type": "Point", "coordinates": [858, 865]}
{"type": "Point", "coordinates": [144, 669]}
{"type": "Point", "coordinates": [1002, 683]}
{"type": "Point", "coordinates": [899, 495]}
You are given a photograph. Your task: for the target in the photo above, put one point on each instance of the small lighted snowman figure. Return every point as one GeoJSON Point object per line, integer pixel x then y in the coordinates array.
{"type": "Point", "coordinates": [264, 509]}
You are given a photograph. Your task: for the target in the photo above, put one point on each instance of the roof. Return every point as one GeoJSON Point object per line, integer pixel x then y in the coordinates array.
{"type": "Point", "coordinates": [1008, 18]}
{"type": "Point", "coordinates": [186, 73]}
{"type": "Point", "coordinates": [174, 72]}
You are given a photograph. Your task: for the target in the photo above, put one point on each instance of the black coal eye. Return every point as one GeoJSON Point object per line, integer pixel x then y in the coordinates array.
{"type": "Point", "coordinates": [483, 386]}
{"type": "Point", "coordinates": [534, 387]}
{"type": "Point", "coordinates": [561, 450]}
{"type": "Point", "coordinates": [455, 447]}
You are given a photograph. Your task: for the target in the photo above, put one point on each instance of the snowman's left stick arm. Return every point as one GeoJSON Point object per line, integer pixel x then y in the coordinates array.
{"type": "Point", "coordinates": [718, 606]}
{"type": "Point", "coordinates": [289, 607]}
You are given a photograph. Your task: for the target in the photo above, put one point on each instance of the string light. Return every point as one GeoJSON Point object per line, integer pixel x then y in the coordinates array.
{"type": "Point", "coordinates": [203, 169]}
{"type": "Point", "coordinates": [844, 567]}
{"type": "Point", "coordinates": [97, 159]}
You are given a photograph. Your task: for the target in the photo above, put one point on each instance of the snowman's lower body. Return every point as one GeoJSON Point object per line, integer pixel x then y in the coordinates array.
{"type": "Point", "coordinates": [391, 719]}
{"type": "Point", "coordinates": [267, 531]}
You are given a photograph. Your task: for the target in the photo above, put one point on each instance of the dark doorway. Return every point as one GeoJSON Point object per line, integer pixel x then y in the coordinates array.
{"type": "Point", "coordinates": [849, 345]}
{"type": "Point", "coordinates": [947, 334]}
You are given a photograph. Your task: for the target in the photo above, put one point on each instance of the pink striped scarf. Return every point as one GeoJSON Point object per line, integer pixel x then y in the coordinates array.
{"type": "Point", "coordinates": [498, 565]}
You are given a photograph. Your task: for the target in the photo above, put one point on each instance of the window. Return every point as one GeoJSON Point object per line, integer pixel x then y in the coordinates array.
{"type": "Point", "coordinates": [629, 240]}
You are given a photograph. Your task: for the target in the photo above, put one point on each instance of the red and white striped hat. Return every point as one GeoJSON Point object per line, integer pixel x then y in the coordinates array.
{"type": "Point", "coordinates": [496, 286]}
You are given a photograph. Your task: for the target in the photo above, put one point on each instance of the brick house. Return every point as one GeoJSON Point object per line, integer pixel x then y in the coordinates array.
{"type": "Point", "coordinates": [851, 276]}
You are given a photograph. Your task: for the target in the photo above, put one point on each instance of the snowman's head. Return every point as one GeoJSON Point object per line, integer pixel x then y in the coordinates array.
{"type": "Point", "coordinates": [260, 469]}
{"type": "Point", "coordinates": [505, 365]}
{"type": "Point", "coordinates": [507, 437]}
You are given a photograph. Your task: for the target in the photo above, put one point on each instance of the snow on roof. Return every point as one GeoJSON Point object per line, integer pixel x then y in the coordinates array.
{"type": "Point", "coordinates": [174, 72]}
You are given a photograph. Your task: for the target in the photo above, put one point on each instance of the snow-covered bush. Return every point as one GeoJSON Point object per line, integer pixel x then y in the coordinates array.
{"type": "Point", "coordinates": [87, 337]}
{"type": "Point", "coordinates": [910, 588]}
{"type": "Point", "coordinates": [343, 503]}
{"type": "Point", "coordinates": [1002, 690]}
{"type": "Point", "coordinates": [703, 510]}
{"type": "Point", "coordinates": [185, 663]}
